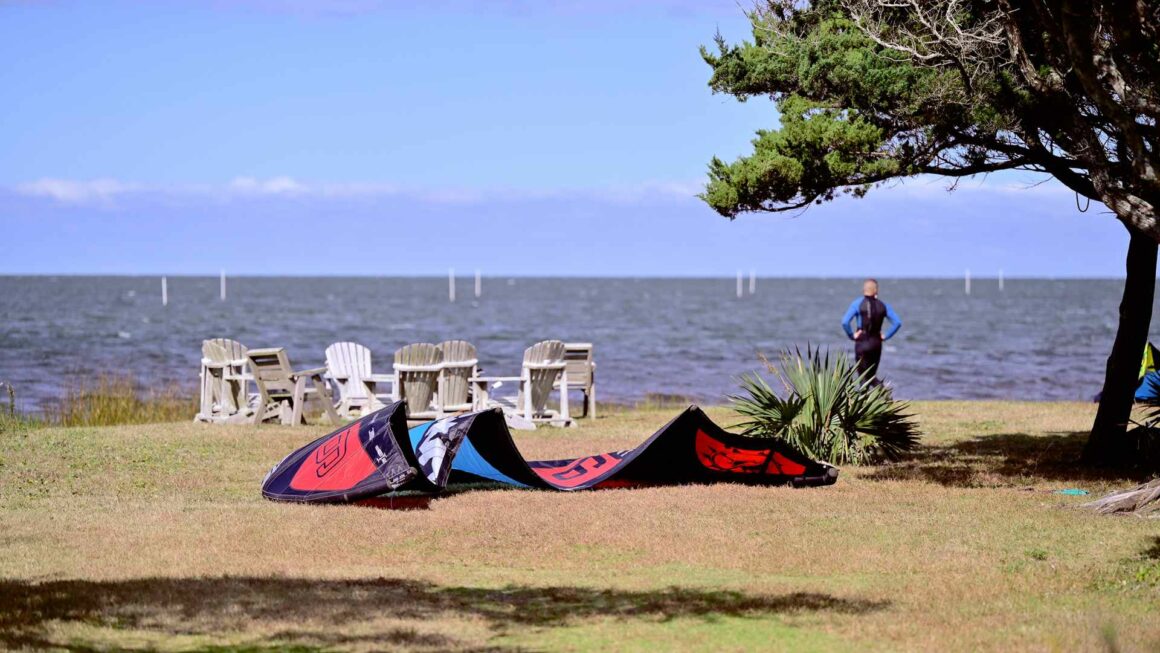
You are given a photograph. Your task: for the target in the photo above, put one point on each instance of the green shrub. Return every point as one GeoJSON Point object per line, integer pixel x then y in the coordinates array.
{"type": "Point", "coordinates": [830, 412]}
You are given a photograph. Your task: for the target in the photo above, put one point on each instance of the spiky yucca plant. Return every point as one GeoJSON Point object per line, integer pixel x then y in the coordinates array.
{"type": "Point", "coordinates": [829, 412]}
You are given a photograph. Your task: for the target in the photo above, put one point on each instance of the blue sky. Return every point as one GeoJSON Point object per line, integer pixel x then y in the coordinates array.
{"type": "Point", "coordinates": [380, 137]}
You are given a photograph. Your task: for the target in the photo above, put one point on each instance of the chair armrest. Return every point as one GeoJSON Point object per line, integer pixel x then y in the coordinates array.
{"type": "Point", "coordinates": [546, 366]}
{"type": "Point", "coordinates": [314, 371]}
{"type": "Point", "coordinates": [458, 364]}
{"type": "Point", "coordinates": [337, 377]}
{"type": "Point", "coordinates": [493, 379]}
{"type": "Point", "coordinates": [400, 367]}
{"type": "Point", "coordinates": [380, 378]}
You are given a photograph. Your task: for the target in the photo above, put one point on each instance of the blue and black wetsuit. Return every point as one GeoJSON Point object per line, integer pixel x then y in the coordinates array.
{"type": "Point", "coordinates": [868, 313]}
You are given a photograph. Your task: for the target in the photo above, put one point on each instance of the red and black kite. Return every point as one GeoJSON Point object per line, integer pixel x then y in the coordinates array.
{"type": "Point", "coordinates": [378, 455]}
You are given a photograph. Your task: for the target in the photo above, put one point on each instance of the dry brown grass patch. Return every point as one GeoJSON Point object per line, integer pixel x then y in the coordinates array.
{"type": "Point", "coordinates": [155, 537]}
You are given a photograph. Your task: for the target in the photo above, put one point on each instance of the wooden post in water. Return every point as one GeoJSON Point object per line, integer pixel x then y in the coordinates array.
{"type": "Point", "coordinates": [478, 284]}
{"type": "Point", "coordinates": [1000, 279]}
{"type": "Point", "coordinates": [164, 291]}
{"type": "Point", "coordinates": [752, 281]}
{"type": "Point", "coordinates": [222, 285]}
{"type": "Point", "coordinates": [451, 284]}
{"type": "Point", "coordinates": [967, 281]}
{"type": "Point", "coordinates": [740, 288]}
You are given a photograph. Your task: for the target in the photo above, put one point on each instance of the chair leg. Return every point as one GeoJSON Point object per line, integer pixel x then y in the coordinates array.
{"type": "Point", "coordinates": [372, 403]}
{"type": "Point", "coordinates": [206, 404]}
{"type": "Point", "coordinates": [564, 415]}
{"type": "Point", "coordinates": [327, 400]}
{"type": "Point", "coordinates": [298, 399]}
{"type": "Point", "coordinates": [591, 397]}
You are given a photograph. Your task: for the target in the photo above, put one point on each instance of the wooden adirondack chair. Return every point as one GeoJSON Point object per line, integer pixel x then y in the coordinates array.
{"type": "Point", "coordinates": [581, 374]}
{"type": "Point", "coordinates": [348, 366]}
{"type": "Point", "coordinates": [417, 371]}
{"type": "Point", "coordinates": [543, 367]}
{"type": "Point", "coordinates": [460, 365]}
{"type": "Point", "coordinates": [282, 391]}
{"type": "Point", "coordinates": [225, 393]}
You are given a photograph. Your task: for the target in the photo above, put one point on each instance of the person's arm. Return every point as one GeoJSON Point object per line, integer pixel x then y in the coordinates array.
{"type": "Point", "coordinates": [895, 322]}
{"type": "Point", "coordinates": [851, 313]}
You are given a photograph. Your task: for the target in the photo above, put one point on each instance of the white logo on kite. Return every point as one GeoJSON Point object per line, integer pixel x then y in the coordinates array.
{"type": "Point", "coordinates": [433, 447]}
{"type": "Point", "coordinates": [441, 438]}
{"type": "Point", "coordinates": [381, 458]}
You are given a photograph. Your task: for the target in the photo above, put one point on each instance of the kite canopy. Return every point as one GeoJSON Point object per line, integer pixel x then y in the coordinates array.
{"type": "Point", "coordinates": [357, 462]}
{"type": "Point", "coordinates": [362, 459]}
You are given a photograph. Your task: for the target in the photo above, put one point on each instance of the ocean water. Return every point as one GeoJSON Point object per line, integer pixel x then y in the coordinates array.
{"type": "Point", "coordinates": [1036, 340]}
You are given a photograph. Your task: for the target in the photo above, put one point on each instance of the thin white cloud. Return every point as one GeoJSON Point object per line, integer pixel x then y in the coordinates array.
{"type": "Point", "coordinates": [1000, 184]}
{"type": "Point", "coordinates": [274, 186]}
{"type": "Point", "coordinates": [68, 191]}
{"type": "Point", "coordinates": [504, 7]}
{"type": "Point", "coordinates": [655, 190]}
{"type": "Point", "coordinates": [105, 191]}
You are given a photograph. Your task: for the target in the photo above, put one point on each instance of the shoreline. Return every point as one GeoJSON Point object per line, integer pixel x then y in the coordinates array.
{"type": "Point", "coordinates": [123, 407]}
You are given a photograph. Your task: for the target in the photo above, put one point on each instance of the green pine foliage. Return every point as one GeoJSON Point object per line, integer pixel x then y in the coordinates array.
{"type": "Point", "coordinates": [828, 410]}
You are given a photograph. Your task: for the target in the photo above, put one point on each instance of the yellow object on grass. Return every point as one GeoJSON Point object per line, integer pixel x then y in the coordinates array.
{"type": "Point", "coordinates": [1151, 354]}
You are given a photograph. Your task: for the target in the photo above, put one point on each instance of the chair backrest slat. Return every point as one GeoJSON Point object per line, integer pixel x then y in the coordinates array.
{"type": "Point", "coordinates": [578, 357]}
{"type": "Point", "coordinates": [227, 388]}
{"type": "Point", "coordinates": [546, 352]}
{"type": "Point", "coordinates": [271, 369]}
{"type": "Point", "coordinates": [223, 350]}
{"type": "Point", "coordinates": [459, 365]}
{"type": "Point", "coordinates": [352, 362]}
{"type": "Point", "coordinates": [417, 386]}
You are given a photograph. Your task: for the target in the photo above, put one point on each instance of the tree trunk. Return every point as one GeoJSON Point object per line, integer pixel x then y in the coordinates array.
{"type": "Point", "coordinates": [1108, 443]}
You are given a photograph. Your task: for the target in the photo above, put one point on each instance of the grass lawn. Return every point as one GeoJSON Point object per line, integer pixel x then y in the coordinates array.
{"type": "Point", "coordinates": [156, 537]}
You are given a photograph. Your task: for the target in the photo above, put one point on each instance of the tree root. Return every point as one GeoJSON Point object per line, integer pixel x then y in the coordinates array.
{"type": "Point", "coordinates": [1143, 501]}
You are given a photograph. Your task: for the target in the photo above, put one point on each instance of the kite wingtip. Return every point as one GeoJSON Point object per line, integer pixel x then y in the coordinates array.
{"type": "Point", "coordinates": [829, 476]}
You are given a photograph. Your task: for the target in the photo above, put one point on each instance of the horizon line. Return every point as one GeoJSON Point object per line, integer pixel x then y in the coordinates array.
{"type": "Point", "coordinates": [471, 275]}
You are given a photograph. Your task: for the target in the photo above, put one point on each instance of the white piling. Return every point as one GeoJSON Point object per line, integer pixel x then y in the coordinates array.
{"type": "Point", "coordinates": [967, 282]}
{"type": "Point", "coordinates": [222, 286]}
{"type": "Point", "coordinates": [451, 284]}
{"type": "Point", "coordinates": [752, 281]}
{"type": "Point", "coordinates": [1000, 279]}
{"type": "Point", "coordinates": [478, 284]}
{"type": "Point", "coordinates": [164, 291]}
{"type": "Point", "coordinates": [740, 287]}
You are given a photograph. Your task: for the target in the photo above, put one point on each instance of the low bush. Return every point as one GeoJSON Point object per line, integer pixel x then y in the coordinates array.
{"type": "Point", "coordinates": [828, 410]}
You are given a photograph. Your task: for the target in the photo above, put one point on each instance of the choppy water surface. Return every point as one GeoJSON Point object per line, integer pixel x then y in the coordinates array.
{"type": "Point", "coordinates": [1039, 339]}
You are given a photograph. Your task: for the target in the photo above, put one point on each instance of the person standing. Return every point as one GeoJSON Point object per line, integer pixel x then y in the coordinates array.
{"type": "Point", "coordinates": [867, 314]}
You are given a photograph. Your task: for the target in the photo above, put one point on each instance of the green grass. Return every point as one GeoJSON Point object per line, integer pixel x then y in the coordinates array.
{"type": "Point", "coordinates": [155, 537]}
